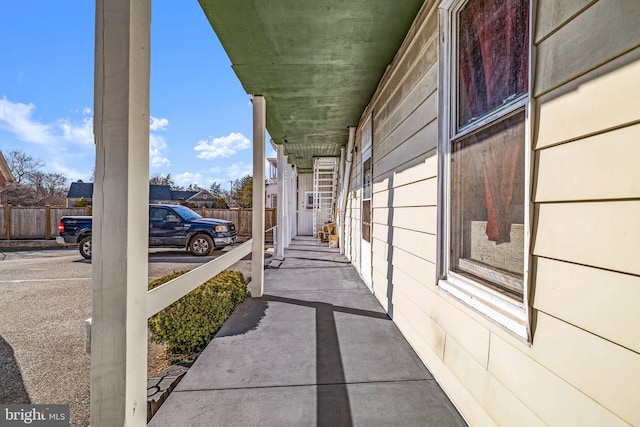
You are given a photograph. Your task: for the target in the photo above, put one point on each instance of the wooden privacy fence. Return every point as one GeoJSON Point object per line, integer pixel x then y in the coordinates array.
{"type": "Point", "coordinates": [241, 218]}
{"type": "Point", "coordinates": [42, 222]}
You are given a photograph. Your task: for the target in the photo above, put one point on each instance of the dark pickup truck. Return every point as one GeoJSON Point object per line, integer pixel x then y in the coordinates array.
{"type": "Point", "coordinates": [170, 226]}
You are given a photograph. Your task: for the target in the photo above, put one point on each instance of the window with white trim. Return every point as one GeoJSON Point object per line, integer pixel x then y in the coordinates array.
{"type": "Point", "coordinates": [485, 98]}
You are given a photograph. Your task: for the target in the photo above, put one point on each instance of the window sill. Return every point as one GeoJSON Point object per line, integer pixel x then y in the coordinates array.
{"type": "Point", "coordinates": [505, 311]}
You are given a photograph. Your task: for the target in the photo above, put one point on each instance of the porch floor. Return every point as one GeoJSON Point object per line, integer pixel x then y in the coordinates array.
{"type": "Point", "coordinates": [316, 350]}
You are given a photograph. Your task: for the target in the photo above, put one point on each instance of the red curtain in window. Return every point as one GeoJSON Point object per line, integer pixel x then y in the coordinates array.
{"type": "Point", "coordinates": [493, 61]}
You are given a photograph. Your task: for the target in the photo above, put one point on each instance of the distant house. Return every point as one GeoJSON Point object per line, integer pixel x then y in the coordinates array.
{"type": "Point", "coordinates": [202, 198]}
{"type": "Point", "coordinates": [181, 196]}
{"type": "Point", "coordinates": [6, 180]}
{"type": "Point", "coordinates": [272, 184]}
{"type": "Point", "coordinates": [79, 190]}
{"type": "Point", "coordinates": [160, 194]}
{"type": "Point", "coordinates": [157, 194]}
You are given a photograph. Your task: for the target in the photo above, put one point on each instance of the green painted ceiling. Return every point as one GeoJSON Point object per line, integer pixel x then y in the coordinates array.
{"type": "Point", "coordinates": [317, 63]}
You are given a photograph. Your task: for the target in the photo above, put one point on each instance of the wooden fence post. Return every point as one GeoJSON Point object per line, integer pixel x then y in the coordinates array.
{"type": "Point", "coordinates": [239, 222]}
{"type": "Point", "coordinates": [204, 212]}
{"type": "Point", "coordinates": [7, 221]}
{"type": "Point", "coordinates": [47, 222]}
{"type": "Point", "coordinates": [274, 217]}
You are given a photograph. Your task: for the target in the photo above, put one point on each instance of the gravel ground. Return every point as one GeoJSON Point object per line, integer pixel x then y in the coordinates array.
{"type": "Point", "coordinates": [44, 300]}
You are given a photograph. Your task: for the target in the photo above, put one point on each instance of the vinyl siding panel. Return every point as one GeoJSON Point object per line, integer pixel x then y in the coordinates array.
{"type": "Point", "coordinates": [608, 301]}
{"type": "Point", "coordinates": [583, 367]}
{"type": "Point", "coordinates": [421, 193]}
{"type": "Point", "coordinates": [415, 147]}
{"type": "Point", "coordinates": [601, 167]}
{"type": "Point", "coordinates": [425, 329]}
{"type": "Point", "coordinates": [495, 398]}
{"type": "Point", "coordinates": [425, 89]}
{"type": "Point", "coordinates": [421, 270]}
{"type": "Point", "coordinates": [598, 234]}
{"type": "Point", "coordinates": [415, 242]}
{"type": "Point", "coordinates": [599, 34]}
{"type": "Point", "coordinates": [602, 370]}
{"type": "Point", "coordinates": [553, 400]}
{"type": "Point", "coordinates": [604, 99]}
{"type": "Point", "coordinates": [415, 218]}
{"type": "Point", "coordinates": [473, 336]}
{"type": "Point", "coordinates": [553, 14]}
{"type": "Point", "coordinates": [412, 124]}
{"type": "Point", "coordinates": [422, 167]}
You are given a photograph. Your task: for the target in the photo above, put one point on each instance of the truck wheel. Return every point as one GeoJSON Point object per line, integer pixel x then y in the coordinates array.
{"type": "Point", "coordinates": [201, 245]}
{"type": "Point", "coordinates": [85, 247]}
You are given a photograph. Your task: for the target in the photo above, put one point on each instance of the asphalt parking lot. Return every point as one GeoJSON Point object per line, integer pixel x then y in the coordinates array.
{"type": "Point", "coordinates": [44, 300]}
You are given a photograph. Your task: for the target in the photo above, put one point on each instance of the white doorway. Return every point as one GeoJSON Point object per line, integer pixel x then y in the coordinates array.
{"type": "Point", "coordinates": [366, 211]}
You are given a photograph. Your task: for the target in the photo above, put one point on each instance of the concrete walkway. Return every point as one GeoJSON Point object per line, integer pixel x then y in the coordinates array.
{"type": "Point", "coordinates": [316, 350]}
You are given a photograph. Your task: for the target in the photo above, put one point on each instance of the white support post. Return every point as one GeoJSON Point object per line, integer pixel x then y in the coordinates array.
{"type": "Point", "coordinates": [257, 228]}
{"type": "Point", "coordinates": [293, 207]}
{"type": "Point", "coordinates": [120, 214]}
{"type": "Point", "coordinates": [289, 215]}
{"type": "Point", "coordinates": [282, 203]}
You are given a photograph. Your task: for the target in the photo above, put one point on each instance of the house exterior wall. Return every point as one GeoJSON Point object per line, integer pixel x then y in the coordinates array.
{"type": "Point", "coordinates": [272, 192]}
{"type": "Point", "coordinates": [582, 366]}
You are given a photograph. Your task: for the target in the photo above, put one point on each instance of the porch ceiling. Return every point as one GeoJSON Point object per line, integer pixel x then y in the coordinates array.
{"type": "Point", "coordinates": [317, 63]}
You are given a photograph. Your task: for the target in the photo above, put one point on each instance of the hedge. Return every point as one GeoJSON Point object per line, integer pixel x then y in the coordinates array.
{"type": "Point", "coordinates": [187, 325]}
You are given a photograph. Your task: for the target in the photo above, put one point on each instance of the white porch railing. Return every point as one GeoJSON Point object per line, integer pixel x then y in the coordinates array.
{"type": "Point", "coordinates": [170, 292]}
{"type": "Point", "coordinates": [165, 295]}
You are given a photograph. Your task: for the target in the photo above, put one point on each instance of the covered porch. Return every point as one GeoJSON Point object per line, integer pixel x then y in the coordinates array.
{"type": "Point", "coordinates": [316, 349]}
{"type": "Point", "coordinates": [312, 346]}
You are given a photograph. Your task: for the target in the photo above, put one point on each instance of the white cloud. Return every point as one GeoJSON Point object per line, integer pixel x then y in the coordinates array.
{"type": "Point", "coordinates": [16, 118]}
{"type": "Point", "coordinates": [157, 144]}
{"type": "Point", "coordinates": [55, 137]}
{"type": "Point", "coordinates": [71, 173]}
{"type": "Point", "coordinates": [224, 146]}
{"type": "Point", "coordinates": [184, 179]}
{"type": "Point", "coordinates": [82, 133]}
{"type": "Point", "coordinates": [157, 124]}
{"type": "Point", "coordinates": [222, 175]}
{"type": "Point", "coordinates": [239, 170]}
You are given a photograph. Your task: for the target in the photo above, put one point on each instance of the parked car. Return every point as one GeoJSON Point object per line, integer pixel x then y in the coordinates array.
{"type": "Point", "coordinates": [170, 226]}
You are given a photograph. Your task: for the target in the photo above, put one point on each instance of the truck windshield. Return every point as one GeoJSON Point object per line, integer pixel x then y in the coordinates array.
{"type": "Point", "coordinates": [186, 213]}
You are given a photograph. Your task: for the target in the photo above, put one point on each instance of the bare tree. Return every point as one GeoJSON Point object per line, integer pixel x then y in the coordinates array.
{"type": "Point", "coordinates": [23, 166]}
{"type": "Point", "coordinates": [33, 186]}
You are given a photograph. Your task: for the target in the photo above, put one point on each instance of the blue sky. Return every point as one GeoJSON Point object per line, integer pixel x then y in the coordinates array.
{"type": "Point", "coordinates": [201, 123]}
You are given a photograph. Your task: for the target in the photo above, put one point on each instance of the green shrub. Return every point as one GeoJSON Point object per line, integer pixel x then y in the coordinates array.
{"type": "Point", "coordinates": [81, 203]}
{"type": "Point", "coordinates": [187, 325]}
